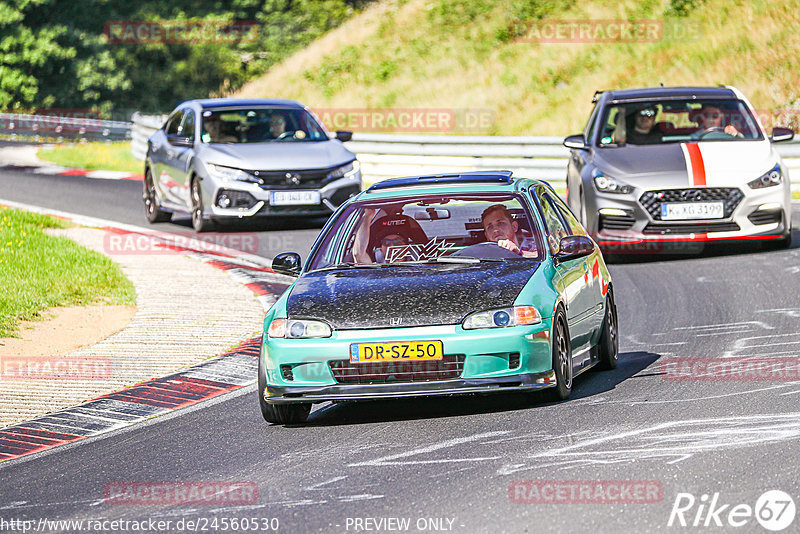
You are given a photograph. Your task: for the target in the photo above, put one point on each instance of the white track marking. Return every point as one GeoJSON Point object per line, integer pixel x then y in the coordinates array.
{"type": "Point", "coordinates": [390, 460]}
{"type": "Point", "coordinates": [632, 402]}
{"type": "Point", "coordinates": [673, 441]}
{"type": "Point", "coordinates": [316, 487]}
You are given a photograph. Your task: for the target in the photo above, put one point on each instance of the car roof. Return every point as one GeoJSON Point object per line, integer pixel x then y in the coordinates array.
{"type": "Point", "coordinates": [474, 181]}
{"type": "Point", "coordinates": [648, 93]}
{"type": "Point", "coordinates": [212, 103]}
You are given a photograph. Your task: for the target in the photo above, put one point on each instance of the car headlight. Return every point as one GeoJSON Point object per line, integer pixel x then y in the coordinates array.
{"type": "Point", "coordinates": [229, 174]}
{"type": "Point", "coordinates": [345, 170]}
{"type": "Point", "coordinates": [500, 318]}
{"type": "Point", "coordinates": [769, 179]}
{"type": "Point", "coordinates": [298, 328]}
{"type": "Point", "coordinates": [607, 184]}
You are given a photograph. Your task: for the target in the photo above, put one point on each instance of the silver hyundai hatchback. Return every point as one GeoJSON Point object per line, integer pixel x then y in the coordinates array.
{"type": "Point", "coordinates": [225, 158]}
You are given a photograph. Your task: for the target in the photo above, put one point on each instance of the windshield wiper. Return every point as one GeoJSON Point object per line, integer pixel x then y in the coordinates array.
{"type": "Point", "coordinates": [463, 259]}
{"type": "Point", "coordinates": [350, 265]}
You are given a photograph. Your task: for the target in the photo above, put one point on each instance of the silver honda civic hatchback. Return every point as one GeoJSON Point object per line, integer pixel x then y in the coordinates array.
{"type": "Point", "coordinates": [219, 159]}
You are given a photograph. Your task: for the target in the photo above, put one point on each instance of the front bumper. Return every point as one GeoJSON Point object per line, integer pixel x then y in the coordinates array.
{"type": "Point", "coordinates": [525, 382]}
{"type": "Point", "coordinates": [760, 215]}
{"type": "Point", "coordinates": [331, 194]}
{"type": "Point", "coordinates": [491, 360]}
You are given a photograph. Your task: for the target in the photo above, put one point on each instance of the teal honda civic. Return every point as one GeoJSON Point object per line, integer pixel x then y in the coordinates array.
{"type": "Point", "coordinates": [470, 283]}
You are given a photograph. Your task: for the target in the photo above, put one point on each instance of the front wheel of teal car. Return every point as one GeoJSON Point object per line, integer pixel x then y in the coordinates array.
{"type": "Point", "coordinates": [609, 337]}
{"type": "Point", "coordinates": [279, 414]}
{"type": "Point", "coordinates": [562, 360]}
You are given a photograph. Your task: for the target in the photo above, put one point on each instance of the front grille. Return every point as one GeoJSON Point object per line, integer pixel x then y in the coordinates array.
{"type": "Point", "coordinates": [616, 222]}
{"type": "Point", "coordinates": [690, 228]}
{"type": "Point", "coordinates": [289, 179]}
{"type": "Point", "coordinates": [448, 368]}
{"type": "Point", "coordinates": [765, 217]}
{"type": "Point", "coordinates": [652, 200]}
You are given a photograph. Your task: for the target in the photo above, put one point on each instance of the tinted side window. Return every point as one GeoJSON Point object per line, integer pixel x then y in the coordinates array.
{"type": "Point", "coordinates": [555, 226]}
{"type": "Point", "coordinates": [187, 127]}
{"type": "Point", "coordinates": [173, 123]}
{"type": "Point", "coordinates": [588, 132]}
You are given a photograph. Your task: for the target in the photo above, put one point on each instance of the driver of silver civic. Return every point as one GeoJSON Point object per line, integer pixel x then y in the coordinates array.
{"type": "Point", "coordinates": [277, 125]}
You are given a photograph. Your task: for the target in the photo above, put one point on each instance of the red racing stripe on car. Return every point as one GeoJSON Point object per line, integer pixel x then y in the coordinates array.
{"type": "Point", "coordinates": [696, 167]}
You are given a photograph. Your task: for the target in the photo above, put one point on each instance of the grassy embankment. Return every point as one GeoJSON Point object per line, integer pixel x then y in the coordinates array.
{"type": "Point", "coordinates": [94, 156]}
{"type": "Point", "coordinates": [39, 271]}
{"type": "Point", "coordinates": [462, 54]}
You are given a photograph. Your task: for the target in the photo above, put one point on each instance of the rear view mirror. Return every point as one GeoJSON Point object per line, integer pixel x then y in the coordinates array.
{"type": "Point", "coordinates": [344, 136]}
{"type": "Point", "coordinates": [432, 214]}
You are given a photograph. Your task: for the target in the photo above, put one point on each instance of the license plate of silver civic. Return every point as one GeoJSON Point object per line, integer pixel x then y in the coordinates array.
{"type": "Point", "coordinates": [292, 198]}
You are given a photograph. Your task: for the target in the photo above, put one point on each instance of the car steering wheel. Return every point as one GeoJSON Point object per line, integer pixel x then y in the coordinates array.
{"type": "Point", "coordinates": [285, 134]}
{"type": "Point", "coordinates": [487, 250]}
{"type": "Point", "coordinates": [706, 131]}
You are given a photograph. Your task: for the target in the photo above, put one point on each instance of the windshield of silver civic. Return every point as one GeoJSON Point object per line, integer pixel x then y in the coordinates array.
{"type": "Point", "coordinates": [677, 121]}
{"type": "Point", "coordinates": [260, 125]}
{"type": "Point", "coordinates": [466, 228]}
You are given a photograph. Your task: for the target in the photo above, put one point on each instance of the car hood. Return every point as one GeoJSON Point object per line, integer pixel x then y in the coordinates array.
{"type": "Point", "coordinates": [677, 165]}
{"type": "Point", "coordinates": [277, 156]}
{"type": "Point", "coordinates": [406, 295]}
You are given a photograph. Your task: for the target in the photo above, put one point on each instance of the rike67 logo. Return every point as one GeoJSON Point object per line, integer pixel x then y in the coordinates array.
{"type": "Point", "coordinates": [774, 510]}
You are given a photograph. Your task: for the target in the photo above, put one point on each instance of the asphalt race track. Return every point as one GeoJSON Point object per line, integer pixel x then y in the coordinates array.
{"type": "Point", "coordinates": [450, 464]}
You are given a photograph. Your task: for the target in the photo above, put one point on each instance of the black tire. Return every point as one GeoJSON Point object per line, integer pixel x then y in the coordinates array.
{"type": "Point", "coordinates": [152, 209]}
{"type": "Point", "coordinates": [198, 222]}
{"type": "Point", "coordinates": [608, 345]}
{"type": "Point", "coordinates": [279, 414]}
{"type": "Point", "coordinates": [562, 360]}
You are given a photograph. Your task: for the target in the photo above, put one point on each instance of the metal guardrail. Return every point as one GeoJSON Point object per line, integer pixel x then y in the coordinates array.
{"type": "Point", "coordinates": [143, 127]}
{"type": "Point", "coordinates": [54, 129]}
{"type": "Point", "coordinates": [389, 155]}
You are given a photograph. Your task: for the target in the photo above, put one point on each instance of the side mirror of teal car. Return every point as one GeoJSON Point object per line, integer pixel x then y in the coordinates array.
{"type": "Point", "coordinates": [574, 246]}
{"type": "Point", "coordinates": [287, 263]}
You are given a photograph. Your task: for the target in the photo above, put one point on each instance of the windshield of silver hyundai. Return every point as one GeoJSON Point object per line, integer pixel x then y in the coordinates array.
{"type": "Point", "coordinates": [678, 121]}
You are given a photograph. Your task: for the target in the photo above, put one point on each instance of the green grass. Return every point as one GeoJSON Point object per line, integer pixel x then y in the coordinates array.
{"type": "Point", "coordinates": [39, 271]}
{"type": "Point", "coordinates": [94, 156]}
